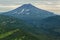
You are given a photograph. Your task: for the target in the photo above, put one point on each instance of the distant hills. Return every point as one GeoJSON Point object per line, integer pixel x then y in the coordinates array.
{"type": "Point", "coordinates": [51, 25]}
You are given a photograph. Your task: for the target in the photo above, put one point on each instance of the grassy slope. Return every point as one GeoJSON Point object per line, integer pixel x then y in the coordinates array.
{"type": "Point", "coordinates": [14, 29]}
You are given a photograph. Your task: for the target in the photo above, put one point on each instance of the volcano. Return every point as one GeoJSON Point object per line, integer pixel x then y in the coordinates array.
{"type": "Point", "coordinates": [29, 13]}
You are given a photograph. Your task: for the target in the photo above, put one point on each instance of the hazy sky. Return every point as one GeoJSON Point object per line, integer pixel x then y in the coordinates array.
{"type": "Point", "coordinates": [51, 5]}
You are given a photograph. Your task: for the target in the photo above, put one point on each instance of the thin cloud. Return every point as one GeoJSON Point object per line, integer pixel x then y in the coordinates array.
{"type": "Point", "coordinates": [51, 5]}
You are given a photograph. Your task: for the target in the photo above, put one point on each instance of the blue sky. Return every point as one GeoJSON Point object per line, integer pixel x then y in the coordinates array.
{"type": "Point", "coordinates": [51, 5]}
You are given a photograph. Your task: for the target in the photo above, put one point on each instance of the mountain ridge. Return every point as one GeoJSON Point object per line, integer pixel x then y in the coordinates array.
{"type": "Point", "coordinates": [28, 12]}
{"type": "Point", "coordinates": [39, 23]}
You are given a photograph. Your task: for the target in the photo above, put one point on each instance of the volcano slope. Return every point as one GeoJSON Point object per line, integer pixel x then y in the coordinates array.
{"type": "Point", "coordinates": [14, 29]}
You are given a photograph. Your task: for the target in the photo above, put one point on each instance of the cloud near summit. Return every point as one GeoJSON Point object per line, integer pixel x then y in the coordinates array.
{"type": "Point", "coordinates": [51, 5]}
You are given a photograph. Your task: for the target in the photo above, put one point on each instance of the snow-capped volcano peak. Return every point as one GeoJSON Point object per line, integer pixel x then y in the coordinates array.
{"type": "Point", "coordinates": [24, 9]}
{"type": "Point", "coordinates": [30, 11]}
